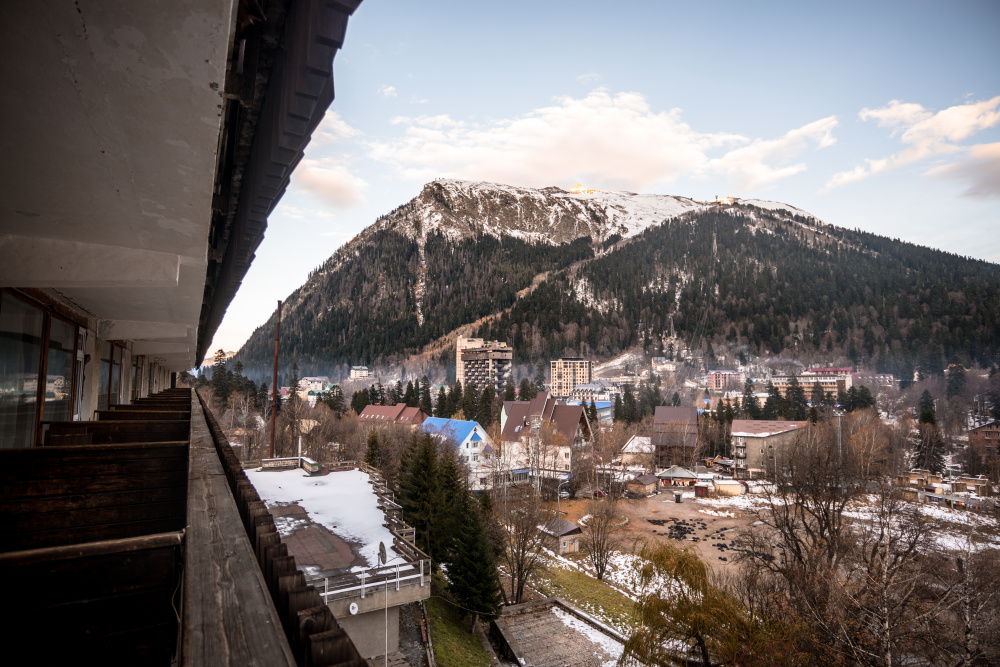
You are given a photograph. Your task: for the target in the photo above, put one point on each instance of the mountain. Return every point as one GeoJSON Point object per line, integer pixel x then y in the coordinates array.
{"type": "Point", "coordinates": [594, 273]}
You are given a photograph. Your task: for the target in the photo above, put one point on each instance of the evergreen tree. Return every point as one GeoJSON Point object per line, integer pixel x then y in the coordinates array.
{"type": "Point", "coordinates": [373, 450]}
{"type": "Point", "coordinates": [395, 393]}
{"type": "Point", "coordinates": [796, 406]}
{"type": "Point", "coordinates": [864, 399]}
{"type": "Point", "coordinates": [540, 376]}
{"type": "Point", "coordinates": [293, 386]}
{"type": "Point", "coordinates": [817, 396]}
{"type": "Point", "coordinates": [475, 581]}
{"type": "Point", "coordinates": [774, 405]}
{"type": "Point", "coordinates": [675, 400]}
{"type": "Point", "coordinates": [221, 381]}
{"type": "Point", "coordinates": [527, 390]}
{"type": "Point", "coordinates": [451, 491]}
{"type": "Point", "coordinates": [421, 498]}
{"type": "Point", "coordinates": [509, 391]}
{"type": "Point", "coordinates": [956, 379]}
{"type": "Point", "coordinates": [441, 406]}
{"type": "Point", "coordinates": [630, 409]}
{"type": "Point", "coordinates": [592, 415]}
{"type": "Point", "coordinates": [619, 413]}
{"type": "Point", "coordinates": [926, 405]}
{"type": "Point", "coordinates": [410, 397]}
{"type": "Point", "coordinates": [359, 400]}
{"type": "Point", "coordinates": [425, 395]}
{"type": "Point", "coordinates": [485, 413]}
{"type": "Point", "coordinates": [751, 407]}
{"type": "Point", "coordinates": [454, 399]}
{"type": "Point", "coordinates": [470, 402]}
{"type": "Point", "coordinates": [334, 399]}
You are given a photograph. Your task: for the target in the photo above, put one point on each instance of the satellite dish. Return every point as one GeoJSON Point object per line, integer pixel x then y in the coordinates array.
{"type": "Point", "coordinates": [353, 608]}
{"type": "Point", "coordinates": [381, 552]}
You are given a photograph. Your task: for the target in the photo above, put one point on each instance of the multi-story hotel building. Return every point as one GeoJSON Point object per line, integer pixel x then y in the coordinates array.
{"type": "Point", "coordinates": [488, 362]}
{"type": "Point", "coordinates": [567, 373]}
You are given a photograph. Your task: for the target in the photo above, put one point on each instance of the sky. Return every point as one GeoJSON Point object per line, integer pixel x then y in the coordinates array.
{"type": "Point", "coordinates": [883, 116]}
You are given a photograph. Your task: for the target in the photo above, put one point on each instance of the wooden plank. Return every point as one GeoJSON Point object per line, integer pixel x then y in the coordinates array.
{"type": "Point", "coordinates": [228, 615]}
{"type": "Point", "coordinates": [86, 485]}
{"type": "Point", "coordinates": [32, 457]}
{"type": "Point", "coordinates": [30, 521]}
{"type": "Point", "coordinates": [142, 415]}
{"type": "Point", "coordinates": [66, 502]}
{"type": "Point", "coordinates": [120, 431]}
{"type": "Point", "coordinates": [137, 466]}
{"type": "Point", "coordinates": [159, 540]}
{"type": "Point", "coordinates": [78, 534]}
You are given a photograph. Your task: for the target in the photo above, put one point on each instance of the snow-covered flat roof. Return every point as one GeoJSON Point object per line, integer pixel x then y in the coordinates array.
{"type": "Point", "coordinates": [343, 502]}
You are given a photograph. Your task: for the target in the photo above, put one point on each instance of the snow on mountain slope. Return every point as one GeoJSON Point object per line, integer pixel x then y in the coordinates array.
{"type": "Point", "coordinates": [460, 209]}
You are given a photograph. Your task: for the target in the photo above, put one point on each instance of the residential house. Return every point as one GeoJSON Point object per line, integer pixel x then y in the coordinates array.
{"type": "Point", "coordinates": [565, 534]}
{"type": "Point", "coordinates": [757, 443]}
{"type": "Point", "coordinates": [360, 373]}
{"type": "Point", "coordinates": [540, 437]}
{"type": "Point", "coordinates": [473, 444]}
{"type": "Point", "coordinates": [389, 414]}
{"type": "Point", "coordinates": [643, 485]}
{"type": "Point", "coordinates": [675, 436]}
{"type": "Point", "coordinates": [662, 367]}
{"type": "Point", "coordinates": [639, 451]}
{"type": "Point", "coordinates": [677, 476]}
{"type": "Point", "coordinates": [984, 441]}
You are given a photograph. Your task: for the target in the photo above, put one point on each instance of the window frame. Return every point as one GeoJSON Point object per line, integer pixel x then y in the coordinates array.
{"type": "Point", "coordinates": [48, 309]}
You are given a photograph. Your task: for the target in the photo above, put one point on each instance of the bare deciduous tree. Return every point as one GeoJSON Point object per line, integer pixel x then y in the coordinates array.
{"type": "Point", "coordinates": [602, 534]}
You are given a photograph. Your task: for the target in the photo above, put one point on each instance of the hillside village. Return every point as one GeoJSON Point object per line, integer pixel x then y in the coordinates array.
{"type": "Point", "coordinates": [614, 459]}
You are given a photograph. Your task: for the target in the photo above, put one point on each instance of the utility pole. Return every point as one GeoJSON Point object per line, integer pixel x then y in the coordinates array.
{"type": "Point", "coordinates": [274, 379]}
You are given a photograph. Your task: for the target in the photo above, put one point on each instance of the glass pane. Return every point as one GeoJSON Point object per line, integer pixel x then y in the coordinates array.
{"type": "Point", "coordinates": [114, 395]}
{"type": "Point", "coordinates": [105, 376]}
{"type": "Point", "coordinates": [20, 354]}
{"type": "Point", "coordinates": [59, 372]}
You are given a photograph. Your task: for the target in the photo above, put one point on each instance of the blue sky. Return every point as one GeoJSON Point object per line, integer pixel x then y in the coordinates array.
{"type": "Point", "coordinates": [878, 115]}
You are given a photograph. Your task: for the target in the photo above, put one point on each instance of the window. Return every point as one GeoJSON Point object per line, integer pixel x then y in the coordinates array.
{"type": "Point", "coordinates": [21, 328]}
{"type": "Point", "coordinates": [38, 376]}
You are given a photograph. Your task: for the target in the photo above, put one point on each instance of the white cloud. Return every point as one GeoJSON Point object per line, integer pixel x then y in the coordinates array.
{"type": "Point", "coordinates": [387, 91]}
{"type": "Point", "coordinates": [604, 139]}
{"type": "Point", "coordinates": [924, 134]}
{"type": "Point", "coordinates": [331, 180]}
{"type": "Point", "coordinates": [980, 172]}
{"type": "Point", "coordinates": [589, 77]}
{"type": "Point", "coordinates": [331, 130]}
{"type": "Point", "coordinates": [764, 161]}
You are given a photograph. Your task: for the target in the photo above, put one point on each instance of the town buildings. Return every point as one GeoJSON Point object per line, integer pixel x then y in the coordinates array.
{"type": "Point", "coordinates": [639, 451]}
{"type": "Point", "coordinates": [567, 373]}
{"type": "Point", "coordinates": [483, 363]}
{"type": "Point", "coordinates": [675, 436]}
{"type": "Point", "coordinates": [662, 367]}
{"type": "Point", "coordinates": [832, 380]}
{"type": "Point", "coordinates": [757, 444]}
{"type": "Point", "coordinates": [984, 441]}
{"type": "Point", "coordinates": [596, 390]}
{"type": "Point", "coordinates": [146, 144]}
{"type": "Point", "coordinates": [360, 373]}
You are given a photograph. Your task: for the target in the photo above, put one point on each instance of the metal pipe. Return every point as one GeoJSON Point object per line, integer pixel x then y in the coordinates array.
{"type": "Point", "coordinates": [274, 380]}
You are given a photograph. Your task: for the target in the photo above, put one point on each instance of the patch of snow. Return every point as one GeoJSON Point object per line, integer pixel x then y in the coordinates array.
{"type": "Point", "coordinates": [344, 502]}
{"type": "Point", "coordinates": [611, 647]}
{"type": "Point", "coordinates": [714, 513]}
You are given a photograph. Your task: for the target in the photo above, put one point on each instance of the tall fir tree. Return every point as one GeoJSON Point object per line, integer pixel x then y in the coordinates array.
{"type": "Point", "coordinates": [926, 405]}
{"type": "Point", "coordinates": [796, 405]}
{"type": "Point", "coordinates": [470, 401]}
{"type": "Point", "coordinates": [422, 495]}
{"type": "Point", "coordinates": [509, 391]}
{"type": "Point", "coordinates": [425, 395]}
{"type": "Point", "coordinates": [373, 450]}
{"type": "Point", "coordinates": [774, 405]}
{"type": "Point", "coordinates": [750, 404]}
{"type": "Point", "coordinates": [441, 406]}
{"type": "Point", "coordinates": [485, 413]}
{"type": "Point", "coordinates": [410, 397]}
{"type": "Point", "coordinates": [475, 581]}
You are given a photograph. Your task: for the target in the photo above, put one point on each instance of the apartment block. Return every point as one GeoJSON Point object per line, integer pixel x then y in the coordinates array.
{"type": "Point", "coordinates": [567, 373]}
{"type": "Point", "coordinates": [487, 364]}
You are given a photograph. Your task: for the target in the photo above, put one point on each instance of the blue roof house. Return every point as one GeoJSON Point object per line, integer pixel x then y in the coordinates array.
{"type": "Point", "coordinates": [472, 442]}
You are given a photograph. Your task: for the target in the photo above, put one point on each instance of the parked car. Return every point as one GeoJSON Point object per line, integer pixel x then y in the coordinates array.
{"type": "Point", "coordinates": [564, 494]}
{"type": "Point", "coordinates": [598, 493]}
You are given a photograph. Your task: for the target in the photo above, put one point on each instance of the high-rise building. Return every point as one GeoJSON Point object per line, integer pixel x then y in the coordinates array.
{"type": "Point", "coordinates": [567, 373]}
{"type": "Point", "coordinates": [482, 362]}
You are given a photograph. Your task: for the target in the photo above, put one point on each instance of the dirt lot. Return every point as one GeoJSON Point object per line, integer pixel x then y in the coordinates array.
{"type": "Point", "coordinates": [688, 520]}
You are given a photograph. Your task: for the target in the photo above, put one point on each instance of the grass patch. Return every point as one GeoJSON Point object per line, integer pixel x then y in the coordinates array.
{"type": "Point", "coordinates": [454, 643]}
{"type": "Point", "coordinates": [592, 596]}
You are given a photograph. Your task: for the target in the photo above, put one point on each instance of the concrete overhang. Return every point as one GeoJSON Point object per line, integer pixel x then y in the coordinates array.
{"type": "Point", "coordinates": [145, 144]}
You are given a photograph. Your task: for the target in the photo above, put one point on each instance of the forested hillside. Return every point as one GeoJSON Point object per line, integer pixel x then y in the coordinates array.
{"type": "Point", "coordinates": [743, 278]}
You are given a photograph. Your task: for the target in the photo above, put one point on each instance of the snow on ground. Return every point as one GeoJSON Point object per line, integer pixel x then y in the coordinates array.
{"type": "Point", "coordinates": [714, 513]}
{"type": "Point", "coordinates": [634, 360]}
{"type": "Point", "coordinates": [343, 502]}
{"type": "Point", "coordinates": [611, 647]}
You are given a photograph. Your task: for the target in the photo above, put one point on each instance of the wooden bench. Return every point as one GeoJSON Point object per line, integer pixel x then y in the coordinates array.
{"type": "Point", "coordinates": [286, 463]}
{"type": "Point", "coordinates": [114, 431]}
{"type": "Point", "coordinates": [310, 466]}
{"type": "Point", "coordinates": [53, 496]}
